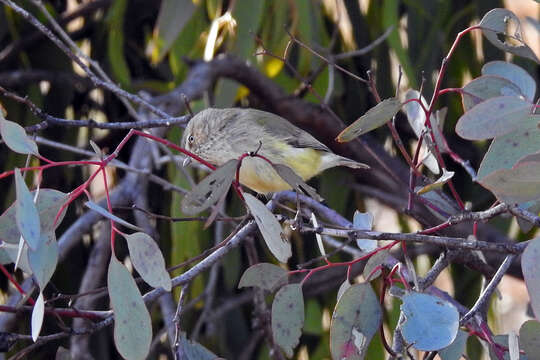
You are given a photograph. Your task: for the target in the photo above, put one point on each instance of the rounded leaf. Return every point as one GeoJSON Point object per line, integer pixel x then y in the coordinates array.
{"type": "Point", "coordinates": [486, 87]}
{"type": "Point", "coordinates": [15, 137]}
{"type": "Point", "coordinates": [355, 320]}
{"type": "Point", "coordinates": [513, 73]}
{"type": "Point", "coordinates": [431, 322]}
{"type": "Point", "coordinates": [288, 317]}
{"type": "Point", "coordinates": [148, 260]}
{"type": "Point", "coordinates": [132, 324]}
{"type": "Point", "coordinates": [529, 338]}
{"type": "Point", "coordinates": [375, 117]}
{"type": "Point", "coordinates": [493, 117]}
{"type": "Point", "coordinates": [270, 229]}
{"type": "Point", "coordinates": [263, 275]}
{"type": "Point", "coordinates": [531, 273]}
{"type": "Point", "coordinates": [456, 349]}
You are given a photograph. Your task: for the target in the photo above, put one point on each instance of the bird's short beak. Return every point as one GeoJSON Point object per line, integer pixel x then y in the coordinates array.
{"type": "Point", "coordinates": [186, 161]}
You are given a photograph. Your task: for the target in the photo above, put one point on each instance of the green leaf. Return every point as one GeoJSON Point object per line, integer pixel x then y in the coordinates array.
{"type": "Point", "coordinates": [270, 228]}
{"type": "Point", "coordinates": [531, 273]}
{"type": "Point", "coordinates": [507, 150]}
{"type": "Point", "coordinates": [132, 324]}
{"type": "Point", "coordinates": [15, 137]}
{"type": "Point", "coordinates": [288, 317]}
{"type": "Point", "coordinates": [513, 73]}
{"type": "Point", "coordinates": [93, 206]}
{"type": "Point", "coordinates": [115, 42]}
{"type": "Point", "coordinates": [192, 350]}
{"type": "Point", "coordinates": [44, 258]}
{"type": "Point", "coordinates": [437, 184]}
{"type": "Point", "coordinates": [210, 189]}
{"type": "Point", "coordinates": [375, 117]}
{"type": "Point", "coordinates": [431, 322]}
{"type": "Point", "coordinates": [48, 204]}
{"type": "Point", "coordinates": [487, 87]}
{"type": "Point", "coordinates": [497, 22]}
{"type": "Point", "coordinates": [355, 320]}
{"type": "Point", "coordinates": [529, 338]}
{"type": "Point", "coordinates": [493, 117]}
{"type": "Point", "coordinates": [296, 182]}
{"type": "Point", "coordinates": [172, 18]}
{"type": "Point", "coordinates": [516, 185]}
{"type": "Point", "coordinates": [382, 258]}
{"type": "Point", "coordinates": [263, 275]}
{"type": "Point", "coordinates": [148, 260]}
{"type": "Point", "coordinates": [456, 349]}
{"type": "Point", "coordinates": [27, 215]}
{"type": "Point", "coordinates": [38, 313]}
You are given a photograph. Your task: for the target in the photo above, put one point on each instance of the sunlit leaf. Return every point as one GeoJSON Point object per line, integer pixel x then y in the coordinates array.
{"type": "Point", "coordinates": [516, 185]}
{"type": "Point", "coordinates": [288, 317]}
{"type": "Point", "coordinates": [148, 260]}
{"type": "Point", "coordinates": [270, 228]}
{"type": "Point", "coordinates": [296, 182]}
{"type": "Point", "coordinates": [529, 338]}
{"type": "Point", "coordinates": [498, 22]}
{"type": "Point", "coordinates": [431, 322]}
{"type": "Point", "coordinates": [487, 87]}
{"type": "Point", "coordinates": [517, 75]}
{"type": "Point", "coordinates": [27, 215]}
{"type": "Point", "coordinates": [507, 150]}
{"type": "Point", "coordinates": [132, 324]}
{"type": "Point", "coordinates": [263, 275]}
{"type": "Point", "coordinates": [375, 117]}
{"type": "Point", "coordinates": [437, 184]}
{"type": "Point", "coordinates": [173, 16]}
{"type": "Point", "coordinates": [15, 137]}
{"type": "Point", "coordinates": [355, 320]}
{"type": "Point", "coordinates": [43, 259]}
{"type": "Point", "coordinates": [318, 236]}
{"type": "Point", "coordinates": [93, 206]}
{"type": "Point", "coordinates": [493, 117]}
{"type": "Point", "coordinates": [364, 221]}
{"type": "Point", "coordinates": [38, 312]}
{"type": "Point", "coordinates": [210, 189]}
{"type": "Point", "coordinates": [456, 349]}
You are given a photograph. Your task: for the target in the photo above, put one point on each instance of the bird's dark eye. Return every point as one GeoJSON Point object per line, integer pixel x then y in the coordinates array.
{"type": "Point", "coordinates": [190, 139]}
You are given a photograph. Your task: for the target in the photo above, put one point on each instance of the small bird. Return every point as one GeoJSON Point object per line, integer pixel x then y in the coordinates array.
{"type": "Point", "coordinates": [219, 135]}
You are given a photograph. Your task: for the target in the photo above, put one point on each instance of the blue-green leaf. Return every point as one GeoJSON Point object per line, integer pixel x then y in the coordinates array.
{"type": "Point", "coordinates": [263, 275]}
{"type": "Point", "coordinates": [148, 260]}
{"type": "Point", "coordinates": [15, 137]}
{"type": "Point", "coordinates": [288, 317]}
{"type": "Point", "coordinates": [132, 323]}
{"type": "Point", "coordinates": [27, 215]}
{"type": "Point", "coordinates": [44, 258]}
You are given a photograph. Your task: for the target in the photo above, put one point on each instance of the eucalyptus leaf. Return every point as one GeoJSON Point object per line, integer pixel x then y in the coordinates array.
{"type": "Point", "coordinates": [356, 318]}
{"type": "Point", "coordinates": [263, 275]}
{"type": "Point", "coordinates": [270, 228]}
{"type": "Point", "coordinates": [487, 87]}
{"type": "Point", "coordinates": [296, 182]}
{"type": "Point", "coordinates": [513, 73]}
{"type": "Point", "coordinates": [288, 317]}
{"type": "Point", "coordinates": [497, 22]}
{"type": "Point", "coordinates": [93, 206]}
{"type": "Point", "coordinates": [43, 259]}
{"type": "Point", "coordinates": [531, 273]}
{"type": "Point", "coordinates": [210, 189]}
{"type": "Point", "coordinates": [132, 323]}
{"type": "Point", "coordinates": [192, 350]}
{"type": "Point", "coordinates": [364, 221]}
{"type": "Point", "coordinates": [27, 215]}
{"type": "Point", "coordinates": [431, 323]}
{"type": "Point", "coordinates": [15, 137]}
{"type": "Point", "coordinates": [148, 260]}
{"type": "Point", "coordinates": [374, 118]}
{"type": "Point", "coordinates": [38, 313]}
{"type": "Point", "coordinates": [529, 338]}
